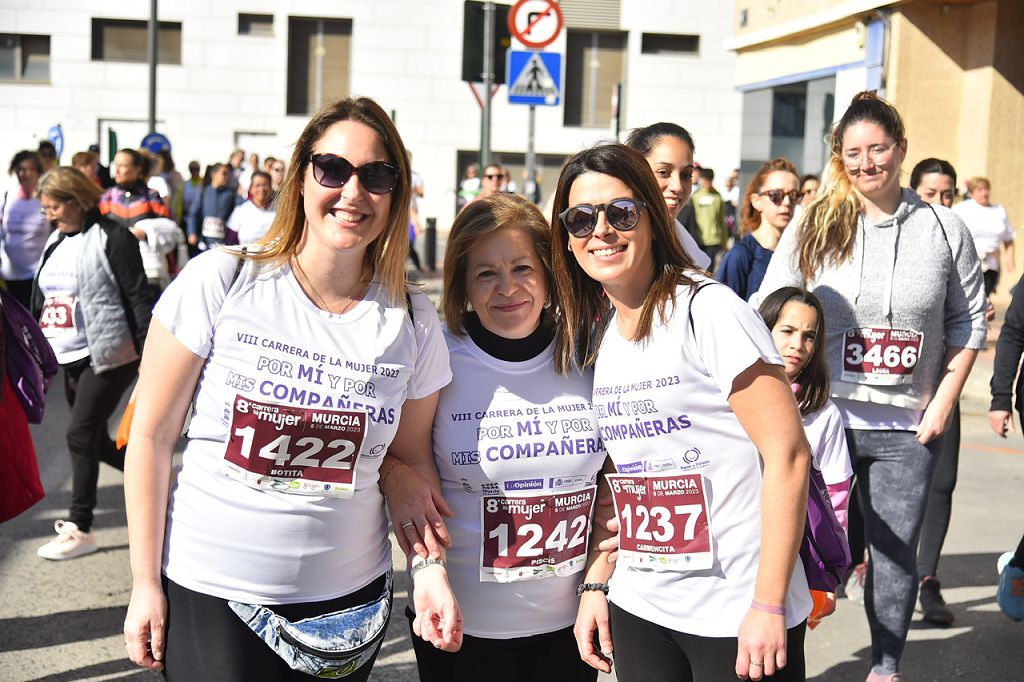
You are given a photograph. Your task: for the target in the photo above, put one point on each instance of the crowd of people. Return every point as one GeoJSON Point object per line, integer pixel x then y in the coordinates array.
{"type": "Point", "coordinates": [599, 454]}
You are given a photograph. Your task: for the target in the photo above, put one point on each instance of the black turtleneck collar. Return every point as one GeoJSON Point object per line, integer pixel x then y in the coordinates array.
{"type": "Point", "coordinates": [511, 350]}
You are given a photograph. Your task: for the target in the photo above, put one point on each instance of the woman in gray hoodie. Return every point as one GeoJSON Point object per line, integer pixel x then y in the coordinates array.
{"type": "Point", "coordinates": [903, 293]}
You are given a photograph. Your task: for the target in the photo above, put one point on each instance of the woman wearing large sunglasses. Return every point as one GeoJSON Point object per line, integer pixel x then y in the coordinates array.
{"type": "Point", "coordinates": [305, 361]}
{"type": "Point", "coordinates": [903, 295]}
{"type": "Point", "coordinates": [767, 209]}
{"type": "Point", "coordinates": [706, 585]}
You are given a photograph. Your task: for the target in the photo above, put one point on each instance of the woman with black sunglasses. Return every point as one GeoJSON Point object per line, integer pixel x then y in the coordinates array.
{"type": "Point", "coordinates": [306, 362]}
{"type": "Point", "coordinates": [700, 422]}
{"type": "Point", "coordinates": [767, 209]}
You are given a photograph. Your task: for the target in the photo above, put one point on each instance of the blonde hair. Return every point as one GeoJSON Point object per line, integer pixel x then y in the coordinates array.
{"type": "Point", "coordinates": [385, 257]}
{"type": "Point", "coordinates": [975, 183]}
{"type": "Point", "coordinates": [64, 183]}
{"type": "Point", "coordinates": [828, 226]}
{"type": "Point", "coordinates": [477, 221]}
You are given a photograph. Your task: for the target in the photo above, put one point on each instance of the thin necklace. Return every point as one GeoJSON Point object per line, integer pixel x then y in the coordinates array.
{"type": "Point", "coordinates": [321, 303]}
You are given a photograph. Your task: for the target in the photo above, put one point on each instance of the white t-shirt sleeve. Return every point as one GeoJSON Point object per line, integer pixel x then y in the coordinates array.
{"type": "Point", "coordinates": [828, 438]}
{"type": "Point", "coordinates": [690, 247]}
{"type": "Point", "coordinates": [433, 370]}
{"type": "Point", "coordinates": [1007, 235]}
{"type": "Point", "coordinates": [730, 335]}
{"type": "Point", "coordinates": [189, 305]}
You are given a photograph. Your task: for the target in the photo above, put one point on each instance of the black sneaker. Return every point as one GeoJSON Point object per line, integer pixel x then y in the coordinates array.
{"type": "Point", "coordinates": [933, 606]}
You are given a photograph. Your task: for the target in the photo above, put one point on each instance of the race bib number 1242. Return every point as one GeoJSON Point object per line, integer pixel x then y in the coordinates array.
{"type": "Point", "coordinates": [294, 449]}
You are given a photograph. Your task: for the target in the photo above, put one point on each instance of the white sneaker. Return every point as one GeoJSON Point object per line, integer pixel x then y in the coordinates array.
{"type": "Point", "coordinates": [69, 543]}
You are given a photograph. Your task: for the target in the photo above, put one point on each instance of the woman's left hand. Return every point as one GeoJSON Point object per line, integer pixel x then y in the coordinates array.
{"type": "Point", "coordinates": [416, 510]}
{"type": "Point", "coordinates": [762, 645]}
{"type": "Point", "coordinates": [935, 421]}
{"type": "Point", "coordinates": [438, 616]}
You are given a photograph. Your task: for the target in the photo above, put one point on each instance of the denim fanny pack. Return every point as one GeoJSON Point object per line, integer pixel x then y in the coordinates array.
{"type": "Point", "coordinates": [333, 645]}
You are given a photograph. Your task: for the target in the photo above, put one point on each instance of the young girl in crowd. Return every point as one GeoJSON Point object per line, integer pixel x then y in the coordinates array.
{"type": "Point", "coordinates": [797, 323]}
{"type": "Point", "coordinates": [698, 417]}
{"type": "Point", "coordinates": [901, 288]}
{"type": "Point", "coordinates": [767, 208]}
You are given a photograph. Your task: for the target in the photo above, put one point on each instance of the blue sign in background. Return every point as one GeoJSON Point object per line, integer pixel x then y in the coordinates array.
{"type": "Point", "coordinates": [521, 72]}
{"type": "Point", "coordinates": [156, 142]}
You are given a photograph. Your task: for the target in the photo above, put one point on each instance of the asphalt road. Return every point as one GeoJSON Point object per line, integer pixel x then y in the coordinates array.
{"type": "Point", "coordinates": [63, 620]}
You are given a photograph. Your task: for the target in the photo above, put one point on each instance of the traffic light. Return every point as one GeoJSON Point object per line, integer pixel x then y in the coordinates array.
{"type": "Point", "coordinates": [473, 41]}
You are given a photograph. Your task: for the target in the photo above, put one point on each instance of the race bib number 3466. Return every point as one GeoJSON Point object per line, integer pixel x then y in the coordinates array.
{"type": "Point", "coordinates": [663, 521]}
{"type": "Point", "coordinates": [885, 357]}
{"type": "Point", "coordinates": [294, 449]}
{"type": "Point", "coordinates": [537, 536]}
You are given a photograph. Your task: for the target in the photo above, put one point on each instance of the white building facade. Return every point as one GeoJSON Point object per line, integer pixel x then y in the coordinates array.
{"type": "Point", "coordinates": [248, 74]}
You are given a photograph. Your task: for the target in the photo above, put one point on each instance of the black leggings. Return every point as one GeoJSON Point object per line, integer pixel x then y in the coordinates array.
{"type": "Point", "coordinates": [207, 641]}
{"type": "Point", "coordinates": [93, 399]}
{"type": "Point", "coordinates": [548, 656]}
{"type": "Point", "coordinates": [645, 652]}
{"type": "Point", "coordinates": [940, 500]}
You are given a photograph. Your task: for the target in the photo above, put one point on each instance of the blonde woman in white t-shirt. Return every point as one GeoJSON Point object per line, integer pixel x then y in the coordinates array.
{"type": "Point", "coordinates": [306, 362]}
{"type": "Point", "coordinates": [698, 417]}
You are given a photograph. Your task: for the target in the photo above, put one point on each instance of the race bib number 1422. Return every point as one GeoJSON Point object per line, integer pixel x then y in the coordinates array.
{"type": "Point", "coordinates": [294, 449]}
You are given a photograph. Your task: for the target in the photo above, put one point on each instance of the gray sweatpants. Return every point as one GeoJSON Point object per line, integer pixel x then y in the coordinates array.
{"type": "Point", "coordinates": [894, 474]}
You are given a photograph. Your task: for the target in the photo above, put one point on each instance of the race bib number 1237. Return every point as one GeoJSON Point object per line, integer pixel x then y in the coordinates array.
{"type": "Point", "coordinates": [663, 521]}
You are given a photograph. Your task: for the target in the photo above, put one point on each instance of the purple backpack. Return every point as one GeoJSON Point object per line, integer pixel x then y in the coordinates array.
{"type": "Point", "coordinates": [29, 359]}
{"type": "Point", "coordinates": [825, 551]}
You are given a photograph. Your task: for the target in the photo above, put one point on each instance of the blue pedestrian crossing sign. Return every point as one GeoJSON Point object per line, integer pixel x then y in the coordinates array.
{"type": "Point", "coordinates": [534, 77]}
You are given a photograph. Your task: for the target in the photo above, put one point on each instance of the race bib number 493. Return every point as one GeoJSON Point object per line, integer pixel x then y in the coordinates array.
{"type": "Point", "coordinates": [885, 357]}
{"type": "Point", "coordinates": [663, 521]}
{"type": "Point", "coordinates": [538, 536]}
{"type": "Point", "coordinates": [294, 449]}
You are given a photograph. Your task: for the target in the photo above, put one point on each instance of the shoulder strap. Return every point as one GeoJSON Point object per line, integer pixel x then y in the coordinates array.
{"type": "Point", "coordinates": [942, 229]}
{"type": "Point", "coordinates": [238, 266]}
{"type": "Point", "coordinates": [689, 313]}
{"type": "Point", "coordinates": [408, 307]}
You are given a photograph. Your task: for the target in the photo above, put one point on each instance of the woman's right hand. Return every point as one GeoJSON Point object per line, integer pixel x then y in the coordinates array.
{"type": "Point", "coordinates": [416, 509]}
{"type": "Point", "coordinates": [1000, 421]}
{"type": "Point", "coordinates": [145, 626]}
{"type": "Point", "coordinates": [592, 617]}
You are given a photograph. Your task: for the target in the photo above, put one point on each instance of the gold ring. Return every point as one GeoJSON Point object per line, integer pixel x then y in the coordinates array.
{"type": "Point", "coordinates": [759, 665]}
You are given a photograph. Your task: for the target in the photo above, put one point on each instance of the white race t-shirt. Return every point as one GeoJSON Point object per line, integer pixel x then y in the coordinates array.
{"type": "Point", "coordinates": [663, 410]}
{"type": "Point", "coordinates": [265, 344]}
{"type": "Point", "coordinates": [62, 320]}
{"type": "Point", "coordinates": [825, 433]}
{"type": "Point", "coordinates": [990, 228]}
{"type": "Point", "coordinates": [250, 221]}
{"type": "Point", "coordinates": [515, 430]}
{"type": "Point", "coordinates": [700, 258]}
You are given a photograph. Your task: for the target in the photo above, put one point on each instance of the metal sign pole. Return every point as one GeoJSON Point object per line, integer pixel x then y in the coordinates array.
{"type": "Point", "coordinates": [488, 78]}
{"type": "Point", "coordinates": [531, 155]}
{"type": "Point", "coordinates": [154, 37]}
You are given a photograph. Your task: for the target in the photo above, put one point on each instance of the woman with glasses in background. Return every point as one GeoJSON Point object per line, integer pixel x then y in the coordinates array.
{"type": "Point", "coordinates": [700, 422]}
{"type": "Point", "coordinates": [767, 209]}
{"type": "Point", "coordinates": [303, 362]}
{"type": "Point", "coordinates": [903, 295]}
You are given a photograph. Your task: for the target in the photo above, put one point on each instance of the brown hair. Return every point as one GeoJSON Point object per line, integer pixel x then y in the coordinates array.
{"type": "Point", "coordinates": [813, 378]}
{"type": "Point", "coordinates": [477, 221]}
{"type": "Point", "coordinates": [751, 217]}
{"type": "Point", "coordinates": [581, 300]}
{"type": "Point", "coordinates": [828, 225]}
{"type": "Point", "coordinates": [64, 183]}
{"type": "Point", "coordinates": [385, 257]}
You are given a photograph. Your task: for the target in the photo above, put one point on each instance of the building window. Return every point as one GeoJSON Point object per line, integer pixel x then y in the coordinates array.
{"type": "Point", "coordinates": [318, 62]}
{"type": "Point", "coordinates": [255, 24]}
{"type": "Point", "coordinates": [669, 43]}
{"type": "Point", "coordinates": [24, 59]}
{"type": "Point", "coordinates": [595, 63]}
{"type": "Point", "coordinates": [127, 40]}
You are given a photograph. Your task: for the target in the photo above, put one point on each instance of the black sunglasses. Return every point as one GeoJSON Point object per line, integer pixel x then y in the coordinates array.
{"type": "Point", "coordinates": [334, 171]}
{"type": "Point", "coordinates": [777, 195]}
{"type": "Point", "coordinates": [622, 214]}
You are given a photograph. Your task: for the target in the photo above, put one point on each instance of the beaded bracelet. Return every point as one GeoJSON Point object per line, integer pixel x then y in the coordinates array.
{"type": "Point", "coordinates": [774, 610]}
